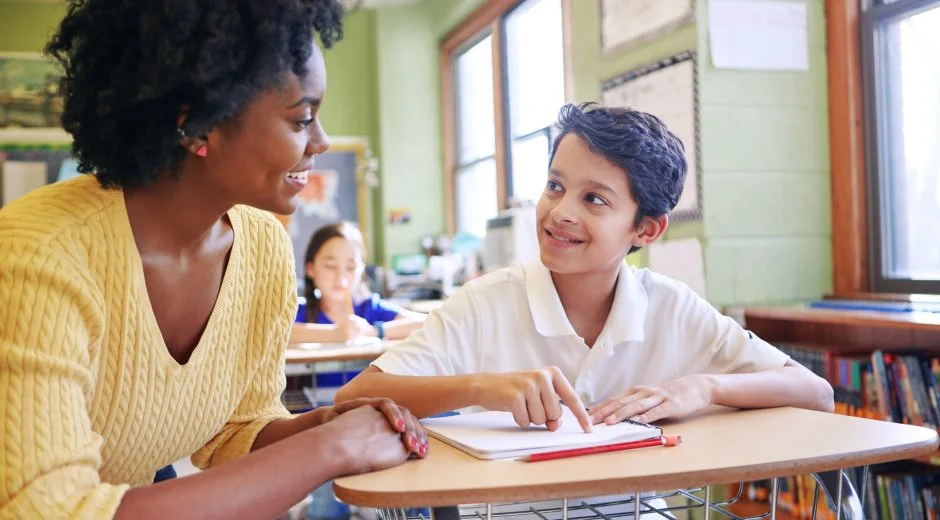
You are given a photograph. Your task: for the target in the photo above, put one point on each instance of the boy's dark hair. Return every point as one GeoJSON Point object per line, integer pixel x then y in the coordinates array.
{"type": "Point", "coordinates": [131, 66]}
{"type": "Point", "coordinates": [652, 158]}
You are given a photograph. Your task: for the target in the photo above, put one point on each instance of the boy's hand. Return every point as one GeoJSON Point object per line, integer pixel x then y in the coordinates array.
{"type": "Point", "coordinates": [651, 403]}
{"type": "Point", "coordinates": [533, 397]}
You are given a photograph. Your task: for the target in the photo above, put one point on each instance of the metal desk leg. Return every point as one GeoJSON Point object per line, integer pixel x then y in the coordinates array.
{"type": "Point", "coordinates": [708, 502]}
{"type": "Point", "coordinates": [636, 506]}
{"type": "Point", "coordinates": [773, 499]}
{"type": "Point", "coordinates": [840, 494]}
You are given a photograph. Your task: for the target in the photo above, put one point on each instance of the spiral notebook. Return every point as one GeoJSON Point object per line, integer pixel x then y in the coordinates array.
{"type": "Point", "coordinates": [495, 435]}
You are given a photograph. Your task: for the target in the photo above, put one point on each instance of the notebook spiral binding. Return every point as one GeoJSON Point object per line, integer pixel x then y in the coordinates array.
{"type": "Point", "coordinates": [637, 423]}
{"type": "Point", "coordinates": [629, 421]}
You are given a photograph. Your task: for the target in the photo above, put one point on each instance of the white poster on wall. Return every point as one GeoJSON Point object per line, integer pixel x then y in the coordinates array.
{"type": "Point", "coordinates": [628, 22]}
{"type": "Point", "coordinates": [760, 35]}
{"type": "Point", "coordinates": [667, 90]}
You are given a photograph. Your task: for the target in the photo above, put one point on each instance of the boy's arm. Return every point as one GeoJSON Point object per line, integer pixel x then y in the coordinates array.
{"type": "Point", "coordinates": [789, 385]}
{"type": "Point", "coordinates": [531, 396]}
{"type": "Point", "coordinates": [422, 395]}
{"type": "Point", "coordinates": [437, 369]}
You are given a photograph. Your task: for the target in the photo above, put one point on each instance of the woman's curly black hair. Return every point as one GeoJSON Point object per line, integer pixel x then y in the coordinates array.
{"type": "Point", "coordinates": [132, 65]}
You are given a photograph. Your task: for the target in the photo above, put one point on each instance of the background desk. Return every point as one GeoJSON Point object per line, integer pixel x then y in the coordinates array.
{"type": "Point", "coordinates": [322, 352]}
{"type": "Point", "coordinates": [779, 442]}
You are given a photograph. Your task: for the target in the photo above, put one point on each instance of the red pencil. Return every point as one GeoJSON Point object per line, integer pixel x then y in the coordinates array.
{"type": "Point", "coordinates": [665, 440]}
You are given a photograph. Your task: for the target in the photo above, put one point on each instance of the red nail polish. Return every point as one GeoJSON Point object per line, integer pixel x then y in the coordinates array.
{"type": "Point", "coordinates": [423, 450]}
{"type": "Point", "coordinates": [401, 424]}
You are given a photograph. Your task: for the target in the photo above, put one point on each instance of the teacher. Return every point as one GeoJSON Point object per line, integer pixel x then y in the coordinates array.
{"type": "Point", "coordinates": [145, 307]}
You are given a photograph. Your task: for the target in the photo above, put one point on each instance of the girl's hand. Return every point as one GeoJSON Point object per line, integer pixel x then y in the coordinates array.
{"type": "Point", "coordinates": [354, 327]}
{"type": "Point", "coordinates": [651, 403]}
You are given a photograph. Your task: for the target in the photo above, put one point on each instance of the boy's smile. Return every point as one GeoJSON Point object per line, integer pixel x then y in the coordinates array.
{"type": "Point", "coordinates": [585, 216]}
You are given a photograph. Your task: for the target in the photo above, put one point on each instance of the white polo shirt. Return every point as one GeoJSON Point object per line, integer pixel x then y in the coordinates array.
{"type": "Point", "coordinates": [512, 319]}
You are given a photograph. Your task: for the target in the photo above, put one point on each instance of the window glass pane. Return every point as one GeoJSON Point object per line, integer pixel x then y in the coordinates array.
{"type": "Point", "coordinates": [476, 127]}
{"type": "Point", "coordinates": [529, 167]}
{"type": "Point", "coordinates": [909, 147]}
{"type": "Point", "coordinates": [535, 65]}
{"type": "Point", "coordinates": [476, 197]}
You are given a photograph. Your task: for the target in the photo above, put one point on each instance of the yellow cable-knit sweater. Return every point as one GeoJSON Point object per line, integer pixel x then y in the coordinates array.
{"type": "Point", "coordinates": [91, 402]}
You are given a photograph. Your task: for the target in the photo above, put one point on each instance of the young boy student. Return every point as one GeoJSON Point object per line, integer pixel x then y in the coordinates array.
{"type": "Point", "coordinates": [580, 325]}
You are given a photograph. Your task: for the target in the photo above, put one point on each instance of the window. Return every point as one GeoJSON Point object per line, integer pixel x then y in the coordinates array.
{"type": "Point", "coordinates": [504, 77]}
{"type": "Point", "coordinates": [476, 137]}
{"type": "Point", "coordinates": [536, 79]}
{"type": "Point", "coordinates": [901, 45]}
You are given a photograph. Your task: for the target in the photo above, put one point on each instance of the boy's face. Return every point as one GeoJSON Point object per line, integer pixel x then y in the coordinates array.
{"type": "Point", "coordinates": [585, 216]}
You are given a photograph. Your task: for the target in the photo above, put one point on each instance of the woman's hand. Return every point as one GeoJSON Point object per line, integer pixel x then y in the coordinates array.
{"type": "Point", "coordinates": [654, 402]}
{"type": "Point", "coordinates": [399, 419]}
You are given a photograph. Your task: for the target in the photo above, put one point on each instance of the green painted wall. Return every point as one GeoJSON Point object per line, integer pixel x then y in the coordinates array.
{"type": "Point", "coordinates": [26, 26]}
{"type": "Point", "coordinates": [410, 118]}
{"type": "Point", "coordinates": [766, 230]}
{"type": "Point", "coordinates": [351, 106]}
{"type": "Point", "coordinates": [766, 185]}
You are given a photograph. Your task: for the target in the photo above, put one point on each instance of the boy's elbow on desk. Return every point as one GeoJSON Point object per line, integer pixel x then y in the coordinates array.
{"type": "Point", "coordinates": [827, 402]}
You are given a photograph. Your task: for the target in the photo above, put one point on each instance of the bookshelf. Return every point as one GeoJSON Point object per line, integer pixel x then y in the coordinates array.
{"type": "Point", "coordinates": [882, 364]}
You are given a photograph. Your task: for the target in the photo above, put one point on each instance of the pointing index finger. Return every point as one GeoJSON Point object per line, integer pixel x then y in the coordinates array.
{"type": "Point", "coordinates": [570, 398]}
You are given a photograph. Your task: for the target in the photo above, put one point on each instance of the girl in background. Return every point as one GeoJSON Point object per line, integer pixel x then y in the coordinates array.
{"type": "Point", "coordinates": [339, 306]}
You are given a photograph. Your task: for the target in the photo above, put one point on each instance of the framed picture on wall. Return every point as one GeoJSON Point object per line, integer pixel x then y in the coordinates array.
{"type": "Point", "coordinates": [337, 189]}
{"type": "Point", "coordinates": [668, 89]}
{"type": "Point", "coordinates": [626, 23]}
{"type": "Point", "coordinates": [30, 100]}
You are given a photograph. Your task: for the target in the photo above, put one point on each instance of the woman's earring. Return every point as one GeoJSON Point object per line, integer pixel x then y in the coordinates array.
{"type": "Point", "coordinates": [202, 151]}
{"type": "Point", "coordinates": [317, 294]}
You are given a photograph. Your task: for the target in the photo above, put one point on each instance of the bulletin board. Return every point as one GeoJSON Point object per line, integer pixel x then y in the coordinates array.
{"type": "Point", "coordinates": [627, 23]}
{"type": "Point", "coordinates": [668, 89]}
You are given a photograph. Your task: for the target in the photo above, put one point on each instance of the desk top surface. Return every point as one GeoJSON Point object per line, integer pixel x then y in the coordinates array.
{"type": "Point", "coordinates": [322, 352]}
{"type": "Point", "coordinates": [718, 447]}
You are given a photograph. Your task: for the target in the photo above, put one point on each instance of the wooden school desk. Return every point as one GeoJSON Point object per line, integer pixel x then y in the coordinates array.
{"type": "Point", "coordinates": [718, 447]}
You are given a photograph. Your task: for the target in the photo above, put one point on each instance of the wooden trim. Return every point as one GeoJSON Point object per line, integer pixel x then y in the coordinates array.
{"type": "Point", "coordinates": [889, 320]}
{"type": "Point", "coordinates": [485, 15]}
{"type": "Point", "coordinates": [850, 261]}
{"type": "Point", "coordinates": [450, 140]}
{"type": "Point", "coordinates": [499, 114]}
{"type": "Point", "coordinates": [567, 44]}
{"type": "Point", "coordinates": [845, 331]}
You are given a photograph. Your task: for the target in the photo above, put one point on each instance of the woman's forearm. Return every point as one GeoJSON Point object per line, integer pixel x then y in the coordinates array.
{"type": "Point", "coordinates": [261, 485]}
{"type": "Point", "coordinates": [281, 429]}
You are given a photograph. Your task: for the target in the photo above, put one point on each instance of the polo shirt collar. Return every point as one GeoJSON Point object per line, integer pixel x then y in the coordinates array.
{"type": "Point", "coordinates": [627, 314]}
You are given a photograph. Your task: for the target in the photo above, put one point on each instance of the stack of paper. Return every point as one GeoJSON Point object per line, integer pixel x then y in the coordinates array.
{"type": "Point", "coordinates": [495, 435]}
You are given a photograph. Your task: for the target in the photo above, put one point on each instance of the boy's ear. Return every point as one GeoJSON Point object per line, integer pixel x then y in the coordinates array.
{"type": "Point", "coordinates": [650, 230]}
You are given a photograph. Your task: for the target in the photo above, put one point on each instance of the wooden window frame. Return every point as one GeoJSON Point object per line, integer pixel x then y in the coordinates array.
{"type": "Point", "coordinates": [489, 18]}
{"type": "Point", "coordinates": [854, 242]}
